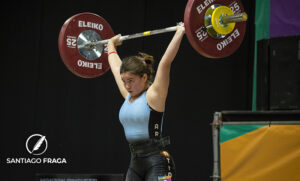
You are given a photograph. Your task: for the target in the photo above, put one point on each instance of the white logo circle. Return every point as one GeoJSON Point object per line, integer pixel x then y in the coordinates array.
{"type": "Point", "coordinates": [40, 144]}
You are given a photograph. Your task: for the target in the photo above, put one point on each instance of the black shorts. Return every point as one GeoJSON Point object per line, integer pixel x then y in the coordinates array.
{"type": "Point", "coordinates": [150, 168]}
{"type": "Point", "coordinates": [150, 161]}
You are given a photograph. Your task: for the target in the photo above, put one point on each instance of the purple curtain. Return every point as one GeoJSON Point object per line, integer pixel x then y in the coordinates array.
{"type": "Point", "coordinates": [285, 18]}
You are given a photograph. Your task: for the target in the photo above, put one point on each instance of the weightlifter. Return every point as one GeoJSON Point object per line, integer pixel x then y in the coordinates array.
{"type": "Point", "coordinates": [142, 112]}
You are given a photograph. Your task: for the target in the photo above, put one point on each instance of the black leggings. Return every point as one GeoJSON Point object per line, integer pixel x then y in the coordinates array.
{"type": "Point", "coordinates": [150, 168]}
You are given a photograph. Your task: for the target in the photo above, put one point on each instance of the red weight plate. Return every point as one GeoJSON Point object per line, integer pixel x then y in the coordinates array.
{"type": "Point", "coordinates": [67, 44]}
{"type": "Point", "coordinates": [200, 40]}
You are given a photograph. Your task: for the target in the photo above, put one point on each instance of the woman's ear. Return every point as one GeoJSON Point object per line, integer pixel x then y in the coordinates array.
{"type": "Point", "coordinates": [145, 77]}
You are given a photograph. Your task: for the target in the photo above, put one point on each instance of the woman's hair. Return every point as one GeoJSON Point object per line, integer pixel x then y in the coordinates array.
{"type": "Point", "coordinates": [139, 65]}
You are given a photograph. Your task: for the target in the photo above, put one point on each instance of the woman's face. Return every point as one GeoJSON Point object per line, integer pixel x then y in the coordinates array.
{"type": "Point", "coordinates": [134, 84]}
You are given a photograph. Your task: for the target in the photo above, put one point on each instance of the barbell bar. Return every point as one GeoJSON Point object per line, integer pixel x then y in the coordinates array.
{"type": "Point", "coordinates": [132, 36]}
{"type": "Point", "coordinates": [215, 29]}
{"type": "Point", "coordinates": [225, 20]}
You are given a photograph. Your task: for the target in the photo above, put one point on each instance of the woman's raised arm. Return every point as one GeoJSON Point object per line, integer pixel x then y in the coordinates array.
{"type": "Point", "coordinates": [115, 63]}
{"type": "Point", "coordinates": [157, 92]}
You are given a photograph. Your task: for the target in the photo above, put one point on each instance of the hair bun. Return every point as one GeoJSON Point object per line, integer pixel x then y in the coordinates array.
{"type": "Point", "coordinates": [148, 59]}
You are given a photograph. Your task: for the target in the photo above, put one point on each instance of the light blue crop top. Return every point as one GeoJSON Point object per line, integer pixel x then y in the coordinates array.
{"type": "Point", "coordinates": [139, 120]}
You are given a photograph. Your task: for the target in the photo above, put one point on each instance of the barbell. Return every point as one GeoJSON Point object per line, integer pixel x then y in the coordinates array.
{"type": "Point", "coordinates": [214, 28]}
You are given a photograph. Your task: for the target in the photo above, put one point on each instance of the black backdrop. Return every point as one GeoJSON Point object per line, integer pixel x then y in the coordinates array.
{"type": "Point", "coordinates": [79, 117]}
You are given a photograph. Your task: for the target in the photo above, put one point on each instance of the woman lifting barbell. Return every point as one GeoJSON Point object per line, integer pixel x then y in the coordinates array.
{"type": "Point", "coordinates": [143, 109]}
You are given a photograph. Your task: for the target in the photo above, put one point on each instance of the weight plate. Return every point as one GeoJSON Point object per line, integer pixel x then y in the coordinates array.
{"type": "Point", "coordinates": [74, 44]}
{"type": "Point", "coordinates": [200, 40]}
{"type": "Point", "coordinates": [216, 20]}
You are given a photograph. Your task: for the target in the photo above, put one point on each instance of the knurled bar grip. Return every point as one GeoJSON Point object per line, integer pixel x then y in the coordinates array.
{"type": "Point", "coordinates": [137, 35]}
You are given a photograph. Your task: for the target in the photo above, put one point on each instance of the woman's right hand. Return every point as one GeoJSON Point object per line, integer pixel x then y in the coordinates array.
{"type": "Point", "coordinates": [180, 27]}
{"type": "Point", "coordinates": [115, 40]}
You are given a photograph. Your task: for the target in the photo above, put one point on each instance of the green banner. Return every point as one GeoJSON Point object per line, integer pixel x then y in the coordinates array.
{"type": "Point", "coordinates": [262, 21]}
{"type": "Point", "coordinates": [229, 132]}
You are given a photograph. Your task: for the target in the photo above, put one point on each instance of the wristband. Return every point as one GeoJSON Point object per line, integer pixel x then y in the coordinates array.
{"type": "Point", "coordinates": [111, 53]}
